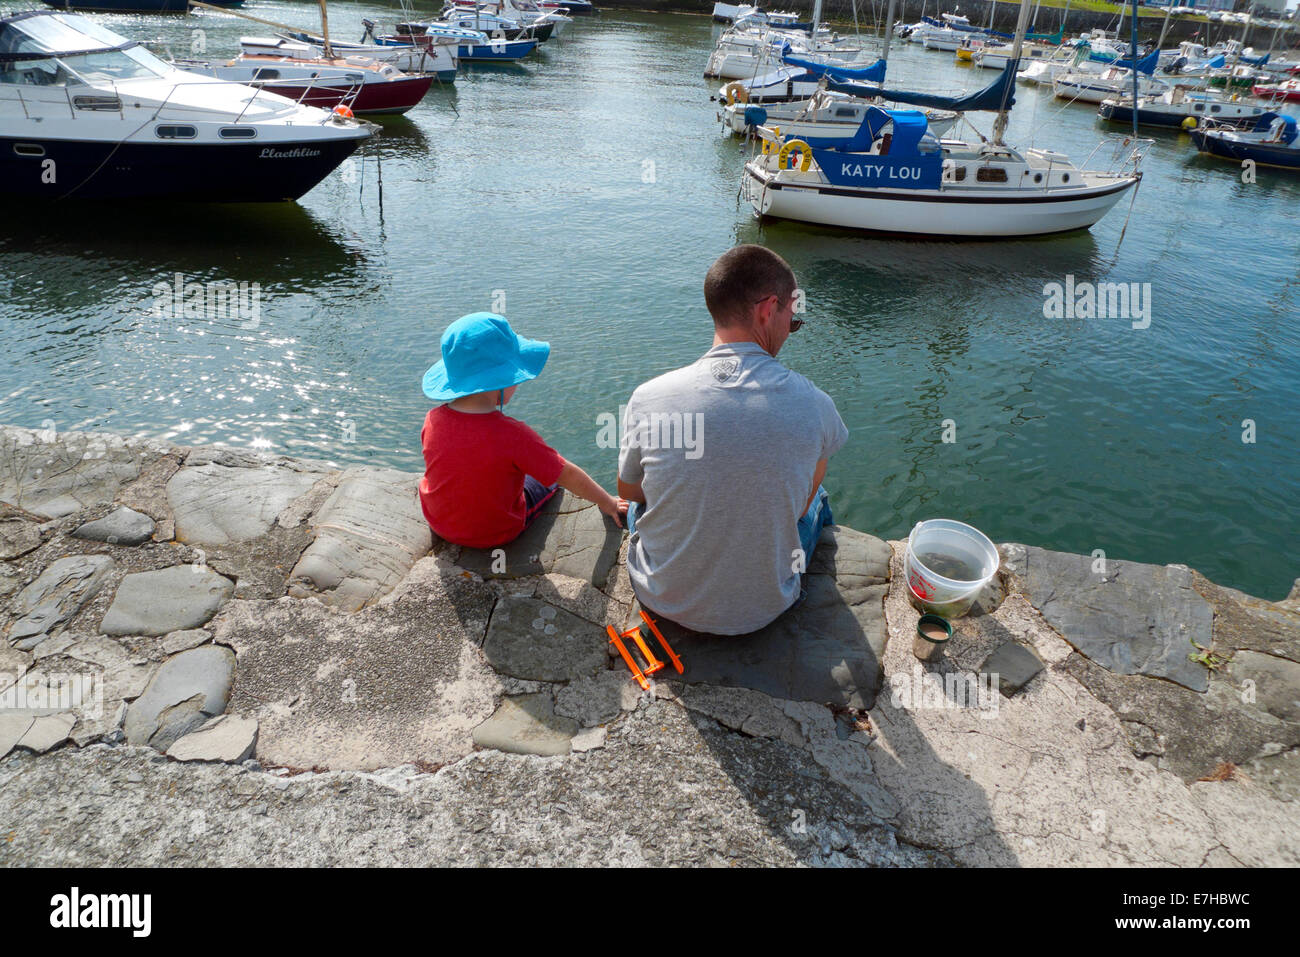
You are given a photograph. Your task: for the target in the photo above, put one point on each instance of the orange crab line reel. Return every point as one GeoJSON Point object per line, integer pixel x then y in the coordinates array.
{"type": "Point", "coordinates": [652, 664]}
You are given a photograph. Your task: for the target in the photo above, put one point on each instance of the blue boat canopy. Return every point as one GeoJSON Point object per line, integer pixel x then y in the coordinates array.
{"type": "Point", "coordinates": [1217, 62]}
{"type": "Point", "coordinates": [1254, 60]}
{"type": "Point", "coordinates": [872, 74]}
{"type": "Point", "coordinates": [1265, 122]}
{"type": "Point", "coordinates": [998, 95]}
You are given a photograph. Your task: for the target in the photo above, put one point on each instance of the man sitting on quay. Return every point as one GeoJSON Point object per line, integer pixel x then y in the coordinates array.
{"type": "Point", "coordinates": [723, 525]}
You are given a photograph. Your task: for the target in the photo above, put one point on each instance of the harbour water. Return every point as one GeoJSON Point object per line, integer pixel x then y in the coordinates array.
{"type": "Point", "coordinates": [584, 193]}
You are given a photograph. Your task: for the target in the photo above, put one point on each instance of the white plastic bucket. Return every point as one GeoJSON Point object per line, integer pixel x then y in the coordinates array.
{"type": "Point", "coordinates": [946, 565]}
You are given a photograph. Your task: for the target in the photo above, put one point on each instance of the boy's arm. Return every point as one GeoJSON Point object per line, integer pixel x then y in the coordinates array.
{"type": "Point", "coordinates": [584, 486]}
{"type": "Point", "coordinates": [818, 475]}
{"type": "Point", "coordinates": [633, 492]}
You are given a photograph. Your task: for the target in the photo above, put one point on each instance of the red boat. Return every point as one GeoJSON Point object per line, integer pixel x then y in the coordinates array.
{"type": "Point", "coordinates": [1288, 91]}
{"type": "Point", "coordinates": [366, 86]}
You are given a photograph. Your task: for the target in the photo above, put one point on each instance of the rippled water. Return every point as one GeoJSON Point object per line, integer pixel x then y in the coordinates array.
{"type": "Point", "coordinates": [529, 182]}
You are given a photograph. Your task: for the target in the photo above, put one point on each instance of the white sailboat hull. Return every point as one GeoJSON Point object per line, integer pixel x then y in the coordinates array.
{"type": "Point", "coordinates": [970, 213]}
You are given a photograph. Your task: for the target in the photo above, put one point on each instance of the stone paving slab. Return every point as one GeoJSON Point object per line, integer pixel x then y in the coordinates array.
{"type": "Point", "coordinates": [527, 724]}
{"type": "Point", "coordinates": [369, 533]}
{"type": "Point", "coordinates": [216, 505]}
{"type": "Point", "coordinates": [224, 738]}
{"type": "Point", "coordinates": [402, 680]}
{"type": "Point", "coordinates": [530, 639]}
{"type": "Point", "coordinates": [45, 606]}
{"type": "Point", "coordinates": [569, 537]}
{"type": "Point", "coordinates": [827, 650]}
{"type": "Point", "coordinates": [122, 526]}
{"type": "Point", "coordinates": [1130, 618]}
{"type": "Point", "coordinates": [166, 600]}
{"type": "Point", "coordinates": [54, 474]}
{"type": "Point", "coordinates": [183, 694]}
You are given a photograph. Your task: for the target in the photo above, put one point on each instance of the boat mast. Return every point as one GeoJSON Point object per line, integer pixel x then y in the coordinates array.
{"type": "Point", "coordinates": [1038, 6]}
{"type": "Point", "coordinates": [889, 31]}
{"type": "Point", "coordinates": [1133, 57]}
{"type": "Point", "coordinates": [325, 31]}
{"type": "Point", "coordinates": [817, 20]}
{"type": "Point", "coordinates": [1164, 28]}
{"type": "Point", "coordinates": [1241, 44]}
{"type": "Point", "coordinates": [1000, 124]}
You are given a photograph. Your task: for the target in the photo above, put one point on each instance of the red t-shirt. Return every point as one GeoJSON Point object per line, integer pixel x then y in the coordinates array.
{"type": "Point", "coordinates": [472, 492]}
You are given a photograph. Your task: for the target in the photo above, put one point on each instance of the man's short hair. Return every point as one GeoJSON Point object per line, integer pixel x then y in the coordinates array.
{"type": "Point", "coordinates": [740, 278]}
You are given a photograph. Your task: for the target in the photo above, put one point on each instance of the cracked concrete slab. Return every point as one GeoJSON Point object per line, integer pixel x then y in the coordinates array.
{"type": "Point", "coordinates": [400, 681]}
{"type": "Point", "coordinates": [527, 724]}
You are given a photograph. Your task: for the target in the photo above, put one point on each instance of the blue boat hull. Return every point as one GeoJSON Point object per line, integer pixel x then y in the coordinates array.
{"type": "Point", "coordinates": [1264, 154]}
{"type": "Point", "coordinates": [206, 173]}
{"type": "Point", "coordinates": [501, 52]}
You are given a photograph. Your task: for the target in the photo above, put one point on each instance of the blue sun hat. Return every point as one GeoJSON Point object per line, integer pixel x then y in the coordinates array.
{"type": "Point", "coordinates": [481, 353]}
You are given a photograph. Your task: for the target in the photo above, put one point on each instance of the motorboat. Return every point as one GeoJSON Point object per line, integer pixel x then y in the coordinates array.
{"type": "Point", "coordinates": [1287, 91]}
{"type": "Point", "coordinates": [526, 12]}
{"type": "Point", "coordinates": [1272, 142]}
{"type": "Point", "coordinates": [86, 113]}
{"type": "Point", "coordinates": [495, 25]}
{"type": "Point", "coordinates": [472, 45]}
{"type": "Point", "coordinates": [360, 83]}
{"type": "Point", "coordinates": [1096, 87]}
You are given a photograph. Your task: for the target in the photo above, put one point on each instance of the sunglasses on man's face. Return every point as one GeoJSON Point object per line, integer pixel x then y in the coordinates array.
{"type": "Point", "coordinates": [795, 324]}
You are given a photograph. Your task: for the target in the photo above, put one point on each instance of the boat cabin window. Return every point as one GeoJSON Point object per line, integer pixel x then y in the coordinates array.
{"type": "Point", "coordinates": [238, 132]}
{"type": "Point", "coordinates": [262, 73]}
{"type": "Point", "coordinates": [845, 111]}
{"type": "Point", "coordinates": [175, 132]}
{"type": "Point", "coordinates": [990, 174]}
{"type": "Point", "coordinates": [1215, 108]}
{"type": "Point", "coordinates": [1200, 107]}
{"type": "Point", "coordinates": [35, 73]}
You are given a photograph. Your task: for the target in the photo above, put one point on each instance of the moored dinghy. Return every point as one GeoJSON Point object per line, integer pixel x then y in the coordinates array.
{"type": "Point", "coordinates": [1274, 141]}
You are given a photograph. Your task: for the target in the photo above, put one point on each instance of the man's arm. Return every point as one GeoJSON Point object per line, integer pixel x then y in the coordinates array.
{"type": "Point", "coordinates": [634, 493]}
{"type": "Point", "coordinates": [818, 475]}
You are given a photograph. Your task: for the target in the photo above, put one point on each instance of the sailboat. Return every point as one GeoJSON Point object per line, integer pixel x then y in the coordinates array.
{"type": "Point", "coordinates": [825, 112]}
{"type": "Point", "coordinates": [894, 175]}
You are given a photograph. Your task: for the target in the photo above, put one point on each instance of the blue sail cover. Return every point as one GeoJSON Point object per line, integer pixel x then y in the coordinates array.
{"type": "Point", "coordinates": [872, 74]}
{"type": "Point", "coordinates": [1254, 60]}
{"type": "Point", "coordinates": [998, 95]}
{"type": "Point", "coordinates": [1217, 62]}
{"type": "Point", "coordinates": [904, 164]}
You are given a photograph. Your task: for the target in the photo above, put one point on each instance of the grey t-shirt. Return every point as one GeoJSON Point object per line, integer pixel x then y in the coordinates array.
{"type": "Point", "coordinates": [725, 450]}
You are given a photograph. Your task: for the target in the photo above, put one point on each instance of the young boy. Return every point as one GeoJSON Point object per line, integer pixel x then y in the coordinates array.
{"type": "Point", "coordinates": [486, 474]}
